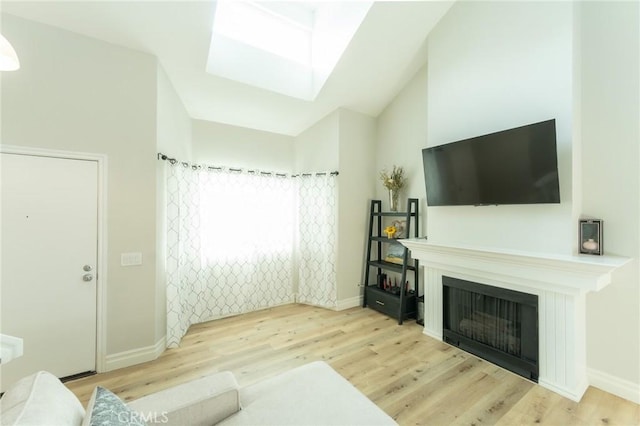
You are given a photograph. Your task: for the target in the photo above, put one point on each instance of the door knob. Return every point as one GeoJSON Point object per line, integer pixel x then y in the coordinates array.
{"type": "Point", "coordinates": [86, 268]}
{"type": "Point", "coordinates": [87, 277]}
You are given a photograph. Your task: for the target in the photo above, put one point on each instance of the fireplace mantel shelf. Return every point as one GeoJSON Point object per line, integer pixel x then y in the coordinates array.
{"type": "Point", "coordinates": [564, 273]}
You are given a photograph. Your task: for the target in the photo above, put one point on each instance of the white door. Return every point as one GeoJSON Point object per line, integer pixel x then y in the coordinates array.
{"type": "Point", "coordinates": [49, 209]}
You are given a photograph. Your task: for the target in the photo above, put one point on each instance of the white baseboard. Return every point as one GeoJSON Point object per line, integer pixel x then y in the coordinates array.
{"type": "Point", "coordinates": [615, 385]}
{"type": "Point", "coordinates": [341, 305]}
{"type": "Point", "coordinates": [427, 332]}
{"type": "Point", "coordinates": [136, 356]}
{"type": "Point", "coordinates": [349, 303]}
{"type": "Point", "coordinates": [573, 393]}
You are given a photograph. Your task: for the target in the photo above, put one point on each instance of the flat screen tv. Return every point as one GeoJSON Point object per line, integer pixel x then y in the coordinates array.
{"type": "Point", "coordinates": [515, 166]}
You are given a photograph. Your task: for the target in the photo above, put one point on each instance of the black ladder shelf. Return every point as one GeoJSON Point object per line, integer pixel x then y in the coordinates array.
{"type": "Point", "coordinates": [395, 301]}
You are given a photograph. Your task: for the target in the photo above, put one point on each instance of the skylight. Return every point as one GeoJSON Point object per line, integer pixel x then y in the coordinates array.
{"type": "Point", "coordinates": [265, 29]}
{"type": "Point", "coordinates": [286, 47]}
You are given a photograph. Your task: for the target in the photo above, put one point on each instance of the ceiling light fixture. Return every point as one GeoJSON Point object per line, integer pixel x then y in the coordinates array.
{"type": "Point", "coordinates": [8, 56]}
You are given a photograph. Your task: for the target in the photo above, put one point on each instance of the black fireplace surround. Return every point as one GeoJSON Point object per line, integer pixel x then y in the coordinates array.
{"type": "Point", "coordinates": [496, 324]}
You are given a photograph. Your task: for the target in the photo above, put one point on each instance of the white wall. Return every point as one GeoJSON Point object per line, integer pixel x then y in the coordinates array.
{"type": "Point", "coordinates": [510, 66]}
{"type": "Point", "coordinates": [75, 93]}
{"type": "Point", "coordinates": [173, 139]}
{"type": "Point", "coordinates": [317, 149]}
{"type": "Point", "coordinates": [173, 121]}
{"type": "Point", "coordinates": [356, 151]}
{"type": "Point", "coordinates": [402, 134]}
{"type": "Point", "coordinates": [610, 136]}
{"type": "Point", "coordinates": [344, 141]}
{"type": "Point", "coordinates": [224, 145]}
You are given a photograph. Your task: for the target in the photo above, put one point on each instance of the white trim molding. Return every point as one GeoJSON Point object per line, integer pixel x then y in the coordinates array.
{"type": "Point", "coordinates": [615, 385]}
{"type": "Point", "coordinates": [135, 356]}
{"type": "Point", "coordinates": [101, 267]}
{"type": "Point", "coordinates": [561, 283]}
{"type": "Point", "coordinates": [349, 303]}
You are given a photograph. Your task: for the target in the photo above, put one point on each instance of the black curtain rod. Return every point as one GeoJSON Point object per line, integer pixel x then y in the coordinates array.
{"type": "Point", "coordinates": [316, 174]}
{"type": "Point", "coordinates": [161, 156]}
{"type": "Point", "coordinates": [164, 157]}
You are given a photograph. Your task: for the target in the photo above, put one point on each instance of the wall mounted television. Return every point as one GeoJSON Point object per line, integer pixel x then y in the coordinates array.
{"type": "Point", "coordinates": [514, 166]}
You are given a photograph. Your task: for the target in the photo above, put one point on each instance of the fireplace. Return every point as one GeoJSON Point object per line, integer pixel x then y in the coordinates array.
{"type": "Point", "coordinates": [496, 324]}
{"type": "Point", "coordinates": [560, 282]}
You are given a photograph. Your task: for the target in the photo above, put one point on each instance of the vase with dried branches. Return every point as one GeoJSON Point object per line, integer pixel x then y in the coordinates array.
{"type": "Point", "coordinates": [394, 182]}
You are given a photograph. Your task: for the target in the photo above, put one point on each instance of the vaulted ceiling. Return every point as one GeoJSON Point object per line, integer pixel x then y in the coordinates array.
{"type": "Point", "coordinates": [385, 52]}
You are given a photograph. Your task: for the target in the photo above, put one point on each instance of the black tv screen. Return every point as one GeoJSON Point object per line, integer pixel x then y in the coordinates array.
{"type": "Point", "coordinates": [515, 166]}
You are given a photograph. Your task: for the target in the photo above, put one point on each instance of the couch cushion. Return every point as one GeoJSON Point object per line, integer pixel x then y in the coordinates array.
{"type": "Point", "coordinates": [105, 408]}
{"type": "Point", "coordinates": [40, 399]}
{"type": "Point", "coordinates": [199, 402]}
{"type": "Point", "coordinates": [313, 394]}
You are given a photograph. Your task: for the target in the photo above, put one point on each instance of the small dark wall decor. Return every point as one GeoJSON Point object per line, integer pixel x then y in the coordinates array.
{"type": "Point", "coordinates": [590, 236]}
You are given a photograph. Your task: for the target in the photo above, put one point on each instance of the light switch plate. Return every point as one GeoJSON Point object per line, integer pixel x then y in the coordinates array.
{"type": "Point", "coordinates": [130, 259]}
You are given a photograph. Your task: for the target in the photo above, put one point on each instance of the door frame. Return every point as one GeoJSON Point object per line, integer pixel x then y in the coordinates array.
{"type": "Point", "coordinates": [101, 266]}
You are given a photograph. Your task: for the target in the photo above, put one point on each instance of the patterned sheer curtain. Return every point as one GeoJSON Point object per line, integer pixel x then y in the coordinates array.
{"type": "Point", "coordinates": [317, 239]}
{"type": "Point", "coordinates": [229, 244]}
{"type": "Point", "coordinates": [233, 237]}
{"type": "Point", "coordinates": [184, 277]}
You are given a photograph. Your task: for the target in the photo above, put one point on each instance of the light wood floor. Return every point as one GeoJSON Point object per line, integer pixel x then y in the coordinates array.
{"type": "Point", "coordinates": [414, 378]}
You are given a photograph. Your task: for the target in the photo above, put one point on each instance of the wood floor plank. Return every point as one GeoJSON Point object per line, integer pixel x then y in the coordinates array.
{"type": "Point", "coordinates": [414, 378]}
{"type": "Point", "coordinates": [462, 396]}
{"type": "Point", "coordinates": [489, 409]}
{"type": "Point", "coordinates": [536, 407]}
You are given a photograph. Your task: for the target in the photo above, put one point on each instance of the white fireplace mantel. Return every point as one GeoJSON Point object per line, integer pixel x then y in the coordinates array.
{"type": "Point", "coordinates": [561, 283]}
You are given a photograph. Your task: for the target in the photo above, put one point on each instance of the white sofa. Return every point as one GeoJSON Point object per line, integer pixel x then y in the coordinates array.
{"type": "Point", "coordinates": [313, 394]}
